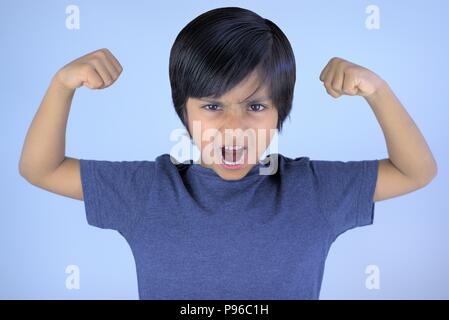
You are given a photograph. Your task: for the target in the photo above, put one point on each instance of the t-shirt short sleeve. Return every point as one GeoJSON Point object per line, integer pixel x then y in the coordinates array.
{"type": "Point", "coordinates": [346, 192]}
{"type": "Point", "coordinates": [114, 192]}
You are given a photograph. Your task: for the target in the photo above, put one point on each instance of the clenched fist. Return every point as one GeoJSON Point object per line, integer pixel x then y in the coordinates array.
{"type": "Point", "coordinates": [96, 70]}
{"type": "Point", "coordinates": [343, 77]}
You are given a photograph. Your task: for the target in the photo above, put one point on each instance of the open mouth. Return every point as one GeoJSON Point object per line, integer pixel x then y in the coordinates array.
{"type": "Point", "coordinates": [233, 155]}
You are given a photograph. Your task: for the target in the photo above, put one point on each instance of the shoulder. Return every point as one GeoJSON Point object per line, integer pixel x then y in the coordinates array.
{"type": "Point", "coordinates": [292, 161]}
{"type": "Point", "coordinates": [328, 166]}
{"type": "Point", "coordinates": [288, 164]}
{"type": "Point", "coordinates": [162, 164]}
{"type": "Point", "coordinates": [115, 175]}
{"type": "Point", "coordinates": [167, 163]}
{"type": "Point", "coordinates": [115, 167]}
{"type": "Point", "coordinates": [326, 170]}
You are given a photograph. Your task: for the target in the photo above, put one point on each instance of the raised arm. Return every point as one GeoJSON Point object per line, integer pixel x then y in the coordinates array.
{"type": "Point", "coordinates": [43, 161]}
{"type": "Point", "coordinates": [410, 164]}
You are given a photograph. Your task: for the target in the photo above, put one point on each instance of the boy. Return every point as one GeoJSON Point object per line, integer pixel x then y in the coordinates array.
{"type": "Point", "coordinates": [221, 229]}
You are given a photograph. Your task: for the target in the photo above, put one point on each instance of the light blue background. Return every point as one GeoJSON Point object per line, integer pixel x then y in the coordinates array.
{"type": "Point", "coordinates": [41, 233]}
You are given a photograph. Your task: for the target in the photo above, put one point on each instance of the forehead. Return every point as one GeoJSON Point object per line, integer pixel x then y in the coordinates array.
{"type": "Point", "coordinates": [249, 88]}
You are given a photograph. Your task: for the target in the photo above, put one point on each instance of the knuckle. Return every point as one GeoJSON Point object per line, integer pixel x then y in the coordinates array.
{"type": "Point", "coordinates": [95, 60]}
{"type": "Point", "coordinates": [328, 85]}
{"type": "Point", "coordinates": [333, 83]}
{"type": "Point", "coordinates": [336, 95]}
{"type": "Point", "coordinates": [100, 53]}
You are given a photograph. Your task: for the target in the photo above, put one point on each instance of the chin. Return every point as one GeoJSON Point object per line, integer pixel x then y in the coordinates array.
{"type": "Point", "coordinates": [232, 174]}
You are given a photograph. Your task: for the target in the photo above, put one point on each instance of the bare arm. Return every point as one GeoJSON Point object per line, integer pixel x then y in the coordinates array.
{"type": "Point", "coordinates": [410, 164]}
{"type": "Point", "coordinates": [43, 161]}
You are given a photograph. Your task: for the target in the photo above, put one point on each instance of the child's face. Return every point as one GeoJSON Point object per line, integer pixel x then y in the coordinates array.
{"type": "Point", "coordinates": [231, 121]}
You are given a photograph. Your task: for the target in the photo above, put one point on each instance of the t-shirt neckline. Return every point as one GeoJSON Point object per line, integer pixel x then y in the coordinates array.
{"type": "Point", "coordinates": [253, 172]}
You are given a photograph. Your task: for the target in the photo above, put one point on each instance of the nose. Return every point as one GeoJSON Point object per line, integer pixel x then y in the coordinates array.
{"type": "Point", "coordinates": [233, 126]}
{"type": "Point", "coordinates": [234, 121]}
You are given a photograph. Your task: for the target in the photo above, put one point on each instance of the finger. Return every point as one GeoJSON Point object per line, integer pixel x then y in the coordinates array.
{"type": "Point", "coordinates": [114, 61]}
{"type": "Point", "coordinates": [330, 91]}
{"type": "Point", "coordinates": [349, 85]}
{"type": "Point", "coordinates": [92, 79]}
{"type": "Point", "coordinates": [102, 71]}
{"type": "Point", "coordinates": [328, 78]}
{"type": "Point", "coordinates": [110, 66]}
{"type": "Point", "coordinates": [324, 72]}
{"type": "Point", "coordinates": [337, 80]}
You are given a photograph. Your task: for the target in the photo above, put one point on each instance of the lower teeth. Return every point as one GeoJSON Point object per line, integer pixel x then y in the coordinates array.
{"type": "Point", "coordinates": [229, 163]}
{"type": "Point", "coordinates": [233, 163]}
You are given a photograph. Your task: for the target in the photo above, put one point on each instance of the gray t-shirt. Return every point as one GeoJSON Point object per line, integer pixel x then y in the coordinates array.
{"type": "Point", "coordinates": [194, 235]}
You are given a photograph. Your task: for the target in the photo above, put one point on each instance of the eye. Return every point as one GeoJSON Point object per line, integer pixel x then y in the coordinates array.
{"type": "Point", "coordinates": [257, 107]}
{"type": "Point", "coordinates": [211, 107]}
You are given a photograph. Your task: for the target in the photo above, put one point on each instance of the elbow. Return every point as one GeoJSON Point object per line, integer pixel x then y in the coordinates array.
{"type": "Point", "coordinates": [25, 173]}
{"type": "Point", "coordinates": [33, 172]}
{"type": "Point", "coordinates": [431, 173]}
{"type": "Point", "coordinates": [21, 169]}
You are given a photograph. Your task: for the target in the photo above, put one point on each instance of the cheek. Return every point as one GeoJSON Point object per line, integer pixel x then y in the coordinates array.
{"type": "Point", "coordinates": [266, 130]}
{"type": "Point", "coordinates": [205, 139]}
{"type": "Point", "coordinates": [263, 140]}
{"type": "Point", "coordinates": [200, 129]}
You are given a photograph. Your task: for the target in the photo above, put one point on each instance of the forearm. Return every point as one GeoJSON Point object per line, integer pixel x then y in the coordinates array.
{"type": "Point", "coordinates": [44, 147]}
{"type": "Point", "coordinates": [407, 148]}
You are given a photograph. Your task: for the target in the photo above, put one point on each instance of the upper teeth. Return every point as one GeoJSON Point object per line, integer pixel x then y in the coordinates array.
{"type": "Point", "coordinates": [233, 147]}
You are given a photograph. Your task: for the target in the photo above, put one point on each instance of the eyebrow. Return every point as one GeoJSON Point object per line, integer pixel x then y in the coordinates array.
{"type": "Point", "coordinates": [257, 99]}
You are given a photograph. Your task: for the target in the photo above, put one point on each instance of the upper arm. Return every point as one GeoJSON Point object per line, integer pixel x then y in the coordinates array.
{"type": "Point", "coordinates": [391, 182]}
{"type": "Point", "coordinates": [65, 180]}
